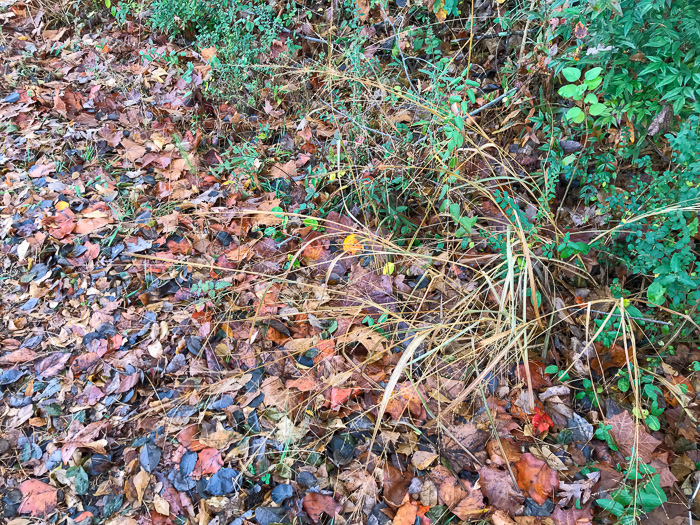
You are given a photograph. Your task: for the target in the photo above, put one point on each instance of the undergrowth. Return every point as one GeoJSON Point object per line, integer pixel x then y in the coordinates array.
{"type": "Point", "coordinates": [607, 89]}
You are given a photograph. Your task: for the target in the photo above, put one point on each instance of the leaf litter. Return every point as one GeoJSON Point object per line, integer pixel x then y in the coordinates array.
{"type": "Point", "coordinates": [163, 364]}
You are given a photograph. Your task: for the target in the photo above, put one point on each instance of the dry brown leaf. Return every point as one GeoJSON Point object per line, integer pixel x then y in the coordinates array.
{"type": "Point", "coordinates": [498, 487]}
{"type": "Point", "coordinates": [629, 435]}
{"type": "Point", "coordinates": [140, 482]}
{"type": "Point", "coordinates": [461, 497]}
{"type": "Point", "coordinates": [315, 504]}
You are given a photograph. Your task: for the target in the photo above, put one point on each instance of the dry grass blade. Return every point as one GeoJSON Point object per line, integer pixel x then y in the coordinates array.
{"type": "Point", "coordinates": [394, 379]}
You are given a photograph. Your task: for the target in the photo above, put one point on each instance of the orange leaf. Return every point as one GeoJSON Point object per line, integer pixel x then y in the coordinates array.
{"type": "Point", "coordinates": [208, 53]}
{"type": "Point", "coordinates": [209, 462]}
{"type": "Point", "coordinates": [40, 499]}
{"type": "Point", "coordinates": [351, 244]}
{"type": "Point", "coordinates": [535, 477]}
{"type": "Point", "coordinates": [406, 515]}
{"type": "Point", "coordinates": [315, 503]}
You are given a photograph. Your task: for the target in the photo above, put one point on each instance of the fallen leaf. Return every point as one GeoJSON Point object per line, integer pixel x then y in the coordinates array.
{"type": "Point", "coordinates": [629, 435]}
{"type": "Point", "coordinates": [351, 245]}
{"type": "Point", "coordinates": [461, 497]}
{"type": "Point", "coordinates": [406, 514]}
{"type": "Point", "coordinates": [535, 477]}
{"type": "Point", "coordinates": [315, 504]}
{"type": "Point", "coordinates": [39, 499]}
{"type": "Point", "coordinates": [498, 487]}
{"type": "Point", "coordinates": [140, 482]}
{"type": "Point", "coordinates": [423, 459]}
{"type": "Point", "coordinates": [209, 462]}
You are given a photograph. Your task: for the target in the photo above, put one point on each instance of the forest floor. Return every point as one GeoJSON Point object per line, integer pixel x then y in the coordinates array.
{"type": "Point", "coordinates": [186, 337]}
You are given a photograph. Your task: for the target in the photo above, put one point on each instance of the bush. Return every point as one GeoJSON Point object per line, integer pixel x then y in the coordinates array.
{"type": "Point", "coordinates": [240, 31]}
{"type": "Point", "coordinates": [650, 50]}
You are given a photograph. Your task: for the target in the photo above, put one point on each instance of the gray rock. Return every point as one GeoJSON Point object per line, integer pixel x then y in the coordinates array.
{"type": "Point", "coordinates": [581, 430]}
{"type": "Point", "coordinates": [416, 486]}
{"type": "Point", "coordinates": [612, 408]}
{"type": "Point", "coordinates": [377, 517]}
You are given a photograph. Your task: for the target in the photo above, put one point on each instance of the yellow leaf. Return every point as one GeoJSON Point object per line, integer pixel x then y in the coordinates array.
{"type": "Point", "coordinates": [62, 205]}
{"type": "Point", "coordinates": [388, 268]}
{"type": "Point", "coordinates": [141, 481]}
{"type": "Point", "coordinates": [351, 245]}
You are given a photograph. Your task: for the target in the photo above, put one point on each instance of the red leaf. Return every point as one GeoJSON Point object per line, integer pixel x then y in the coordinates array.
{"type": "Point", "coordinates": [541, 421]}
{"type": "Point", "coordinates": [209, 462]}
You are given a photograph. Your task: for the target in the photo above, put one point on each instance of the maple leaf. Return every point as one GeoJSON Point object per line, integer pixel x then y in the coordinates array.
{"type": "Point", "coordinates": [629, 436]}
{"type": "Point", "coordinates": [535, 477]}
{"type": "Point", "coordinates": [40, 499]}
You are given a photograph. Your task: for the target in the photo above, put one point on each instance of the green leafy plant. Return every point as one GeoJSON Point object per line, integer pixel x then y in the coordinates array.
{"type": "Point", "coordinates": [584, 91]}
{"type": "Point", "coordinates": [629, 502]}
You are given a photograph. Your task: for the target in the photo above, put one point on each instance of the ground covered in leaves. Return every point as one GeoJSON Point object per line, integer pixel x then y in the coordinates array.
{"type": "Point", "coordinates": [165, 360]}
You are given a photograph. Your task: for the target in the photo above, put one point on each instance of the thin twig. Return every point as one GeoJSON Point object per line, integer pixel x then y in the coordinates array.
{"type": "Point", "coordinates": [493, 102]}
{"type": "Point", "coordinates": [357, 123]}
{"type": "Point", "coordinates": [398, 45]}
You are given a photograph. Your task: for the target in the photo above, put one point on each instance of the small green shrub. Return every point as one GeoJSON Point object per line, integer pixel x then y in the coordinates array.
{"type": "Point", "coordinates": [240, 31]}
{"type": "Point", "coordinates": [650, 50]}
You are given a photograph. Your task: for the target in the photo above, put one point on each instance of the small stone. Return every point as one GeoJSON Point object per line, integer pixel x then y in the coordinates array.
{"type": "Point", "coordinates": [377, 517]}
{"type": "Point", "coordinates": [342, 452]}
{"type": "Point", "coordinates": [281, 493]}
{"type": "Point", "coordinates": [416, 486]}
{"type": "Point", "coordinates": [533, 509]}
{"type": "Point", "coordinates": [306, 479]}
